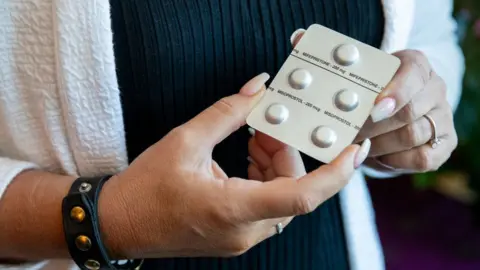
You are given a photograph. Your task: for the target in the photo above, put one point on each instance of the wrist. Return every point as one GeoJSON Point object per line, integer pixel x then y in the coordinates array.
{"type": "Point", "coordinates": [90, 245]}
{"type": "Point", "coordinates": [115, 229]}
{"type": "Point", "coordinates": [30, 217]}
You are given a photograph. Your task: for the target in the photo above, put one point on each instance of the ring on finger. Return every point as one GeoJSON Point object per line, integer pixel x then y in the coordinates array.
{"type": "Point", "coordinates": [434, 141]}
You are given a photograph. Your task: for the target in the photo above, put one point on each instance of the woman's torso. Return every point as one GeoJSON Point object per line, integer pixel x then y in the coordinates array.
{"type": "Point", "coordinates": [176, 57]}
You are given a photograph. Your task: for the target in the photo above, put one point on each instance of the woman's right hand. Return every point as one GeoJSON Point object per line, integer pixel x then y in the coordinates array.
{"type": "Point", "coordinates": [175, 201]}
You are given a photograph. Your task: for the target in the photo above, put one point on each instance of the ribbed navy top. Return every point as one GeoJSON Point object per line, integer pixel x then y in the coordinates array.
{"type": "Point", "coordinates": [176, 57]}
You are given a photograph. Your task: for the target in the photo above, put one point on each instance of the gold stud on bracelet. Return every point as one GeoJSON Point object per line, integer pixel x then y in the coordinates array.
{"type": "Point", "coordinates": [77, 214]}
{"type": "Point", "coordinates": [92, 265]}
{"type": "Point", "coordinates": [83, 243]}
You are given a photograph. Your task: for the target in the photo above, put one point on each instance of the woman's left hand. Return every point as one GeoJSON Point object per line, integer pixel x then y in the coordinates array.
{"type": "Point", "coordinates": [409, 114]}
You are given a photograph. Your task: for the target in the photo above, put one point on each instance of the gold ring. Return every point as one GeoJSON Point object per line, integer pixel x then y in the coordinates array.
{"type": "Point", "coordinates": [434, 141]}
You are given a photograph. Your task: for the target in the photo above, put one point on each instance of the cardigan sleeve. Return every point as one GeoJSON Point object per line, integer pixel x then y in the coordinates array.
{"type": "Point", "coordinates": [9, 168]}
{"type": "Point", "coordinates": [434, 34]}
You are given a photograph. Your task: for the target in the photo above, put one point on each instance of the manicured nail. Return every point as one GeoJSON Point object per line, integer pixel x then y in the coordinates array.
{"type": "Point", "coordinates": [295, 34]}
{"type": "Point", "coordinates": [385, 165]}
{"type": "Point", "coordinates": [251, 131]}
{"type": "Point", "coordinates": [254, 85]}
{"type": "Point", "coordinates": [250, 159]}
{"type": "Point", "coordinates": [362, 153]}
{"type": "Point", "coordinates": [383, 110]}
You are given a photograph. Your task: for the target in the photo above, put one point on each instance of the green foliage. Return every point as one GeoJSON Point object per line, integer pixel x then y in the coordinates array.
{"type": "Point", "coordinates": [468, 113]}
{"type": "Point", "coordinates": [424, 180]}
{"type": "Point", "coordinates": [466, 158]}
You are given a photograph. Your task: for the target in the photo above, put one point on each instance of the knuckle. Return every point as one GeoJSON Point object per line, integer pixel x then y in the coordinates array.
{"type": "Point", "coordinates": [419, 63]}
{"type": "Point", "coordinates": [448, 119]}
{"type": "Point", "coordinates": [304, 204]}
{"type": "Point", "coordinates": [450, 115]}
{"type": "Point", "coordinates": [183, 136]}
{"type": "Point", "coordinates": [239, 246]}
{"type": "Point", "coordinates": [408, 113]}
{"type": "Point", "coordinates": [423, 161]}
{"type": "Point", "coordinates": [442, 86]}
{"type": "Point", "coordinates": [418, 56]}
{"type": "Point", "coordinates": [410, 137]}
{"type": "Point", "coordinates": [226, 214]}
{"type": "Point", "coordinates": [454, 140]}
{"type": "Point", "coordinates": [225, 106]}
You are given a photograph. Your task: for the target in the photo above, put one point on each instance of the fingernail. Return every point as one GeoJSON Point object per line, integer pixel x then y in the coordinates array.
{"type": "Point", "coordinates": [295, 34]}
{"type": "Point", "coordinates": [385, 165]}
{"type": "Point", "coordinates": [383, 110]}
{"type": "Point", "coordinates": [362, 153]}
{"type": "Point", "coordinates": [255, 85]}
{"type": "Point", "coordinates": [250, 159]}
{"type": "Point", "coordinates": [251, 131]}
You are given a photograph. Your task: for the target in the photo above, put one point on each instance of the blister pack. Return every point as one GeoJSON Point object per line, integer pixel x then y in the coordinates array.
{"type": "Point", "coordinates": [323, 93]}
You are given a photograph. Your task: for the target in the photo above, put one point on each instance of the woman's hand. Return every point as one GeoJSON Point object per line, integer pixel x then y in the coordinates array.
{"type": "Point", "coordinates": [174, 200]}
{"type": "Point", "coordinates": [270, 159]}
{"type": "Point", "coordinates": [401, 128]}
{"type": "Point", "coordinates": [411, 127]}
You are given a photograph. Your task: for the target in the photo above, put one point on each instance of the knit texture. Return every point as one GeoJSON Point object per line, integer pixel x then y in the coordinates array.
{"type": "Point", "coordinates": [176, 57]}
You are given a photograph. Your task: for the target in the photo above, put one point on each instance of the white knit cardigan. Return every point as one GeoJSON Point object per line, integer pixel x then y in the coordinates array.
{"type": "Point", "coordinates": [60, 108]}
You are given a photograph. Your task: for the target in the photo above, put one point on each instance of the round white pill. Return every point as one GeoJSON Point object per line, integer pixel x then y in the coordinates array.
{"type": "Point", "coordinates": [300, 79]}
{"type": "Point", "coordinates": [346, 100]}
{"type": "Point", "coordinates": [276, 114]}
{"type": "Point", "coordinates": [346, 54]}
{"type": "Point", "coordinates": [324, 137]}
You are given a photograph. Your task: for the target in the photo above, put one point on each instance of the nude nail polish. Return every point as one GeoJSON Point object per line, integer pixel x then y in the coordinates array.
{"type": "Point", "coordinates": [385, 165]}
{"type": "Point", "coordinates": [250, 160]}
{"type": "Point", "coordinates": [295, 34]}
{"type": "Point", "coordinates": [383, 110]}
{"type": "Point", "coordinates": [255, 84]}
{"type": "Point", "coordinates": [362, 153]}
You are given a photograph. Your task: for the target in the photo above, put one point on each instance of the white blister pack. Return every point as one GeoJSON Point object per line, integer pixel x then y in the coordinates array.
{"type": "Point", "coordinates": [323, 93]}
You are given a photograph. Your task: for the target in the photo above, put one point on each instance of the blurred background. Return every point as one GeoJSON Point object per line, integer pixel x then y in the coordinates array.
{"type": "Point", "coordinates": [432, 221]}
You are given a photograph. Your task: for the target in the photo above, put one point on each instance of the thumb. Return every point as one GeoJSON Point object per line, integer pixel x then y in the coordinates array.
{"type": "Point", "coordinates": [227, 115]}
{"type": "Point", "coordinates": [287, 196]}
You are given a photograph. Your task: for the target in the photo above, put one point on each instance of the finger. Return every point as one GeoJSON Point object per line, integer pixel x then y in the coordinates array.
{"type": "Point", "coordinates": [254, 173]}
{"type": "Point", "coordinates": [268, 144]}
{"type": "Point", "coordinates": [226, 116]}
{"type": "Point", "coordinates": [412, 135]}
{"type": "Point", "coordinates": [373, 163]}
{"type": "Point", "coordinates": [278, 160]}
{"type": "Point", "coordinates": [297, 36]}
{"type": "Point", "coordinates": [259, 155]}
{"type": "Point", "coordinates": [420, 159]}
{"type": "Point", "coordinates": [288, 163]}
{"type": "Point", "coordinates": [423, 102]}
{"type": "Point", "coordinates": [285, 197]}
{"type": "Point", "coordinates": [270, 174]}
{"type": "Point", "coordinates": [411, 78]}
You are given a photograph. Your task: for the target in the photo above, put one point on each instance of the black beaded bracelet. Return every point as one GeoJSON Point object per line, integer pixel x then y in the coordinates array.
{"type": "Point", "coordinates": [82, 229]}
